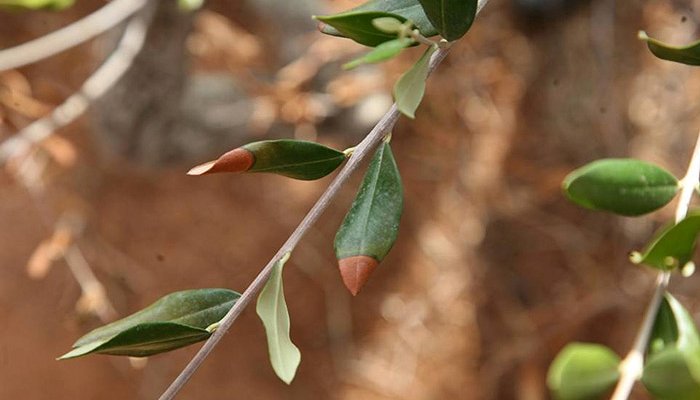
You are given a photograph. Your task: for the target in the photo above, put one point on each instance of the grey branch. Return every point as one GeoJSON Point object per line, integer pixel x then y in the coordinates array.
{"type": "Point", "coordinates": [384, 126]}
{"type": "Point", "coordinates": [72, 35]}
{"type": "Point", "coordinates": [94, 87]}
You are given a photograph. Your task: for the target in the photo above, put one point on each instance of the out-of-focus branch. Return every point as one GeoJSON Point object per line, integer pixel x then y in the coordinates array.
{"type": "Point", "coordinates": [94, 298]}
{"type": "Point", "coordinates": [72, 35]}
{"type": "Point", "coordinates": [94, 87]}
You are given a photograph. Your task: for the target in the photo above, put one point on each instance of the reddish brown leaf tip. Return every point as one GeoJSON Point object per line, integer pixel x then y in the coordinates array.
{"type": "Point", "coordinates": [356, 271]}
{"type": "Point", "coordinates": [236, 160]}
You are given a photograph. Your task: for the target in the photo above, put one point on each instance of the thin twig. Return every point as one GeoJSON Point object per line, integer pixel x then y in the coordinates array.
{"type": "Point", "coordinates": [72, 35]}
{"type": "Point", "coordinates": [361, 151]}
{"type": "Point", "coordinates": [94, 296]}
{"type": "Point", "coordinates": [93, 88]}
{"type": "Point", "coordinates": [632, 366]}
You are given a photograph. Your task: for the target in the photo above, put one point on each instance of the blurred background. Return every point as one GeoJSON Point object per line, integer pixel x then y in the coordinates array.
{"type": "Point", "coordinates": [493, 272]}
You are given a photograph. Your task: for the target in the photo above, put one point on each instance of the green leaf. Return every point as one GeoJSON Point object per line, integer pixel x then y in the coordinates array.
{"type": "Point", "coordinates": [296, 159]}
{"type": "Point", "coordinates": [272, 310]}
{"type": "Point", "coordinates": [381, 53]}
{"type": "Point", "coordinates": [689, 54]}
{"type": "Point", "coordinates": [18, 5]}
{"type": "Point", "coordinates": [174, 321]}
{"type": "Point", "coordinates": [388, 24]}
{"type": "Point", "coordinates": [358, 26]}
{"type": "Point", "coordinates": [673, 246]}
{"type": "Point", "coordinates": [665, 330]}
{"type": "Point", "coordinates": [370, 227]}
{"type": "Point", "coordinates": [190, 5]}
{"type": "Point", "coordinates": [583, 371]}
{"type": "Point", "coordinates": [621, 185]}
{"type": "Point", "coordinates": [451, 18]}
{"type": "Point", "coordinates": [410, 88]}
{"type": "Point", "coordinates": [672, 371]}
{"type": "Point", "coordinates": [667, 376]}
{"type": "Point", "coordinates": [408, 9]}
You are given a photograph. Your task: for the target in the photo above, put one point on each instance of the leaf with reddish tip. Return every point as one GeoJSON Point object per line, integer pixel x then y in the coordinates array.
{"type": "Point", "coordinates": [355, 271]}
{"type": "Point", "coordinates": [236, 160]}
{"type": "Point", "coordinates": [370, 228]}
{"type": "Point", "coordinates": [296, 159]}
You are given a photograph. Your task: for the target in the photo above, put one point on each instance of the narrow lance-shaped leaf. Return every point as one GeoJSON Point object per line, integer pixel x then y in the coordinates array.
{"type": "Point", "coordinates": [673, 246]}
{"type": "Point", "coordinates": [370, 228]}
{"type": "Point", "coordinates": [664, 333]}
{"type": "Point", "coordinates": [381, 53]}
{"type": "Point", "coordinates": [410, 88]}
{"type": "Point", "coordinates": [358, 26]}
{"type": "Point", "coordinates": [583, 371]}
{"type": "Point", "coordinates": [296, 159]}
{"type": "Point", "coordinates": [621, 185]}
{"type": "Point", "coordinates": [174, 321]}
{"type": "Point", "coordinates": [451, 18]}
{"type": "Point", "coordinates": [408, 9]}
{"type": "Point", "coordinates": [272, 310]}
{"type": "Point", "coordinates": [689, 54]}
{"type": "Point", "coordinates": [672, 371]}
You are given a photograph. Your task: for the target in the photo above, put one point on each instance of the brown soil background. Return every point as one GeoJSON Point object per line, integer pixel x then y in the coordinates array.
{"type": "Point", "coordinates": [494, 271]}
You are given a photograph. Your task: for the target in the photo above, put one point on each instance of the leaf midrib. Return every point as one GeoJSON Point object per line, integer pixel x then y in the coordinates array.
{"type": "Point", "coordinates": [300, 164]}
{"type": "Point", "coordinates": [370, 206]}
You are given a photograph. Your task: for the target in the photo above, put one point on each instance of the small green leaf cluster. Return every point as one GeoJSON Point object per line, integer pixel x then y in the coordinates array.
{"type": "Point", "coordinates": [630, 187]}
{"type": "Point", "coordinates": [367, 232]}
{"type": "Point", "coordinates": [585, 371]}
{"type": "Point", "coordinates": [390, 26]}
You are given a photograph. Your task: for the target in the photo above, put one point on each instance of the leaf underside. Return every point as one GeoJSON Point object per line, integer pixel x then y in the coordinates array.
{"type": "Point", "coordinates": [410, 88]}
{"type": "Point", "coordinates": [272, 310]}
